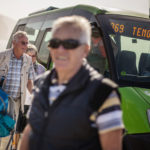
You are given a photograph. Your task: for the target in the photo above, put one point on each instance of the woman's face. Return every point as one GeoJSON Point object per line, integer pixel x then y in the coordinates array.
{"type": "Point", "coordinates": [33, 55]}
{"type": "Point", "coordinates": [64, 59]}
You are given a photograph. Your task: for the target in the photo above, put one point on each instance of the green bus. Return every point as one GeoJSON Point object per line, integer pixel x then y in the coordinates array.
{"type": "Point", "coordinates": [126, 59]}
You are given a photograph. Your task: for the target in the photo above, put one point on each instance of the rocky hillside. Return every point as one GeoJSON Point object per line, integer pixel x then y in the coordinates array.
{"type": "Point", "coordinates": [6, 26]}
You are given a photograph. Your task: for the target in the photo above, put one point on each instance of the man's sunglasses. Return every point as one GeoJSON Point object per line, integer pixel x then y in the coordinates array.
{"type": "Point", "coordinates": [24, 43]}
{"type": "Point", "coordinates": [67, 44]}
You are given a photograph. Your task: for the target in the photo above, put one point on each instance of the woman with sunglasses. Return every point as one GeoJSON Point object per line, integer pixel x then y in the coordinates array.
{"type": "Point", "coordinates": [74, 107]}
{"type": "Point", "coordinates": [38, 69]}
{"type": "Point", "coordinates": [32, 52]}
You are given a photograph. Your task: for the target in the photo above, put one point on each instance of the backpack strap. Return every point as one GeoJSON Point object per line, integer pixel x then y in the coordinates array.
{"type": "Point", "coordinates": [3, 101]}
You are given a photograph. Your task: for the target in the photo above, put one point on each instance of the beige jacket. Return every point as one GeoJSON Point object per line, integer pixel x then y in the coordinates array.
{"type": "Point", "coordinates": [4, 66]}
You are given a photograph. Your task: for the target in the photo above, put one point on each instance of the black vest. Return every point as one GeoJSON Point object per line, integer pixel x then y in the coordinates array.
{"type": "Point", "coordinates": [66, 125]}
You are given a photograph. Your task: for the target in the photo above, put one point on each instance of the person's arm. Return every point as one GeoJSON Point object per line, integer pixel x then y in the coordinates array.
{"type": "Point", "coordinates": [30, 85]}
{"type": "Point", "coordinates": [109, 123]}
{"type": "Point", "coordinates": [111, 140]}
{"type": "Point", "coordinates": [30, 78]}
{"type": "Point", "coordinates": [24, 145]}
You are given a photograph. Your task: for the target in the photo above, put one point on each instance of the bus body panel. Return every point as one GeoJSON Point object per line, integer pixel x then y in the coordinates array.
{"type": "Point", "coordinates": [134, 110]}
{"type": "Point", "coordinates": [145, 94]}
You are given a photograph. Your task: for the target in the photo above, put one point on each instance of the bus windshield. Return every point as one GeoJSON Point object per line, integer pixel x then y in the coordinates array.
{"type": "Point", "coordinates": [131, 52]}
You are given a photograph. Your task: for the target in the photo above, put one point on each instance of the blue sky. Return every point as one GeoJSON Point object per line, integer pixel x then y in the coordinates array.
{"type": "Point", "coordinates": [21, 8]}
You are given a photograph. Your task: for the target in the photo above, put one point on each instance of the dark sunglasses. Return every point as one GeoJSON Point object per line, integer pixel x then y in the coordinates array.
{"type": "Point", "coordinates": [32, 56]}
{"type": "Point", "coordinates": [24, 43]}
{"type": "Point", "coordinates": [67, 44]}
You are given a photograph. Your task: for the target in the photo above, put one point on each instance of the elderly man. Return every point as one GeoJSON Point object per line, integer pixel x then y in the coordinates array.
{"type": "Point", "coordinates": [74, 107]}
{"type": "Point", "coordinates": [17, 69]}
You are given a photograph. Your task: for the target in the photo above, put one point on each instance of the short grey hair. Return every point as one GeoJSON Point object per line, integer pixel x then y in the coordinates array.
{"type": "Point", "coordinates": [18, 35]}
{"type": "Point", "coordinates": [31, 48]}
{"type": "Point", "coordinates": [78, 23]}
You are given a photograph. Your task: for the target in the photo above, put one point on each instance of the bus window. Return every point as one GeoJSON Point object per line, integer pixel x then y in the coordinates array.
{"type": "Point", "coordinates": [21, 27]}
{"type": "Point", "coordinates": [43, 53]}
{"type": "Point", "coordinates": [132, 39]}
{"type": "Point", "coordinates": [32, 31]}
{"type": "Point", "coordinates": [135, 46]}
{"type": "Point", "coordinates": [33, 27]}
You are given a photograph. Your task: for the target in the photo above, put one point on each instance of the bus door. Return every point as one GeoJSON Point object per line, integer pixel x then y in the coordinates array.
{"type": "Point", "coordinates": [127, 42]}
{"type": "Point", "coordinates": [128, 39]}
